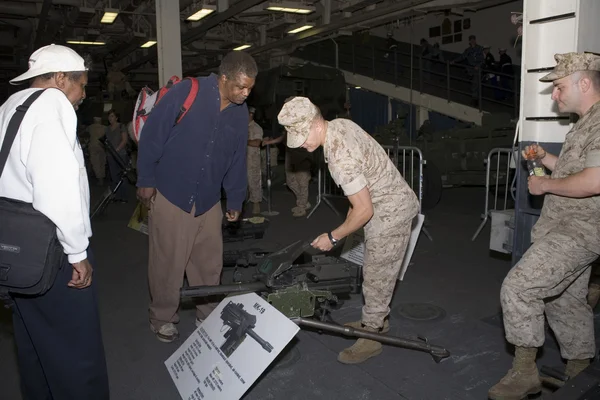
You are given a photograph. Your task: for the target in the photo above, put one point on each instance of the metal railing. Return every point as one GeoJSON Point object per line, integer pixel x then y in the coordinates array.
{"type": "Point", "coordinates": [407, 159]}
{"type": "Point", "coordinates": [500, 178]}
{"type": "Point", "coordinates": [269, 181]}
{"type": "Point", "coordinates": [493, 90]}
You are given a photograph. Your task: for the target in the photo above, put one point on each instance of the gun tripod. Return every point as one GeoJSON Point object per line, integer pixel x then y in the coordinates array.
{"type": "Point", "coordinates": [126, 172]}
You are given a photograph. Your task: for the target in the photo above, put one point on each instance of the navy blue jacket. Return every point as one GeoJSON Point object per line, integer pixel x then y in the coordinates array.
{"type": "Point", "coordinates": [190, 162]}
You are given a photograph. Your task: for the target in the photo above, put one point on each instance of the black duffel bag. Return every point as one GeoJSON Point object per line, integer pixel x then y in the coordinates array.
{"type": "Point", "coordinates": [30, 252]}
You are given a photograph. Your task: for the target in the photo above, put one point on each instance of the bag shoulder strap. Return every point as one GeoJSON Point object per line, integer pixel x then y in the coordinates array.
{"type": "Point", "coordinates": [189, 100]}
{"type": "Point", "coordinates": [13, 127]}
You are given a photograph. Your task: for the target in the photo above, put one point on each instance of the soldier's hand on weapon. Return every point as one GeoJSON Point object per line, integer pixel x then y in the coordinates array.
{"type": "Point", "coordinates": [322, 243]}
{"type": "Point", "coordinates": [533, 151]}
{"type": "Point", "coordinates": [146, 196]}
{"type": "Point", "coordinates": [232, 215]}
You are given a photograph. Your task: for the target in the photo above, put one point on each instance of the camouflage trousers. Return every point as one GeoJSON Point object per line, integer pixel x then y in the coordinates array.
{"type": "Point", "coordinates": [98, 161]}
{"type": "Point", "coordinates": [273, 154]}
{"type": "Point", "coordinates": [552, 277]}
{"type": "Point", "coordinates": [254, 178]}
{"type": "Point", "coordinates": [382, 262]}
{"type": "Point", "coordinates": [297, 177]}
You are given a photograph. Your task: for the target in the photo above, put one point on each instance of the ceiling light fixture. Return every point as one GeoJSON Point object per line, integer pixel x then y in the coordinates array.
{"type": "Point", "coordinates": [205, 11]}
{"type": "Point", "coordinates": [291, 7]}
{"type": "Point", "coordinates": [86, 43]}
{"type": "Point", "coordinates": [242, 47]}
{"type": "Point", "coordinates": [149, 43]}
{"type": "Point", "coordinates": [110, 14]}
{"type": "Point", "coordinates": [300, 28]}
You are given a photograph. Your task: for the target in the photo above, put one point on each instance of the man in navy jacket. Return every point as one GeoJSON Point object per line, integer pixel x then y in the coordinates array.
{"type": "Point", "coordinates": [181, 170]}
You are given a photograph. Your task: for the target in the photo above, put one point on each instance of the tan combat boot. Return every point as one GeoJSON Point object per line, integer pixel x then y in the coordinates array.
{"type": "Point", "coordinates": [359, 325]}
{"type": "Point", "coordinates": [255, 208]}
{"type": "Point", "coordinates": [300, 212]}
{"type": "Point", "coordinates": [593, 294]}
{"type": "Point", "coordinates": [361, 351]}
{"type": "Point", "coordinates": [521, 380]}
{"type": "Point", "coordinates": [300, 208]}
{"type": "Point", "coordinates": [574, 367]}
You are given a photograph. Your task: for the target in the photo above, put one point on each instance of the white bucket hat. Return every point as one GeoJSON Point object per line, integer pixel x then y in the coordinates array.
{"type": "Point", "coordinates": [51, 58]}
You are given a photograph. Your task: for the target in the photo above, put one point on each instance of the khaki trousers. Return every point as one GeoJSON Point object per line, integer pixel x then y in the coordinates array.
{"type": "Point", "coordinates": [181, 244]}
{"type": "Point", "coordinates": [98, 161]}
{"type": "Point", "coordinates": [383, 259]}
{"type": "Point", "coordinates": [297, 176]}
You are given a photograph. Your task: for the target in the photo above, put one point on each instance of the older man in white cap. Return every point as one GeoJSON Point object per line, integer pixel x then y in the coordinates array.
{"type": "Point", "coordinates": [59, 343]}
{"type": "Point", "coordinates": [380, 200]}
{"type": "Point", "coordinates": [552, 276]}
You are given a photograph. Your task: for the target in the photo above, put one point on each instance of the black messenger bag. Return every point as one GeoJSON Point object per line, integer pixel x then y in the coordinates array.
{"type": "Point", "coordinates": [30, 252]}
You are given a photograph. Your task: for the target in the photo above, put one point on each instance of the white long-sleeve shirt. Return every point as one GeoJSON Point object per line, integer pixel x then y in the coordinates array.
{"type": "Point", "coordinates": [46, 167]}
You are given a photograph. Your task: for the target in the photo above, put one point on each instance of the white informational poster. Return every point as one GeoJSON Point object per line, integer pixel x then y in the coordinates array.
{"type": "Point", "coordinates": [417, 225]}
{"type": "Point", "coordinates": [354, 246]}
{"type": "Point", "coordinates": [230, 349]}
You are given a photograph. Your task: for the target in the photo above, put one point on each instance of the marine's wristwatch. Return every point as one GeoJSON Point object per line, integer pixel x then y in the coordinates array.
{"type": "Point", "coordinates": [331, 239]}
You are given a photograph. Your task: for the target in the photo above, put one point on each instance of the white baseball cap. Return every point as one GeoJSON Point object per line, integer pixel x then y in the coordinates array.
{"type": "Point", "coordinates": [51, 58]}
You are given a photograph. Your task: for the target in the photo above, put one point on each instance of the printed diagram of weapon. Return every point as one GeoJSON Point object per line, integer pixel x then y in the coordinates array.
{"type": "Point", "coordinates": [304, 291]}
{"type": "Point", "coordinates": [240, 324]}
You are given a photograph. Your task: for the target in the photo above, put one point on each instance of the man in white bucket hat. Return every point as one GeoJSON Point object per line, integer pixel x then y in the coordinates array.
{"type": "Point", "coordinates": [57, 333]}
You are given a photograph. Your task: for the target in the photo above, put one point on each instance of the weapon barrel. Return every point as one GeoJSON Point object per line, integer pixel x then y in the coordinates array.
{"type": "Point", "coordinates": [438, 353]}
{"type": "Point", "coordinates": [265, 345]}
{"type": "Point", "coordinates": [204, 291]}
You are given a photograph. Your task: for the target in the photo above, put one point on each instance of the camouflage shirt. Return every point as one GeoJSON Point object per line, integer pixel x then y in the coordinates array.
{"type": "Point", "coordinates": [254, 132]}
{"type": "Point", "coordinates": [578, 218]}
{"type": "Point", "coordinates": [356, 161]}
{"type": "Point", "coordinates": [474, 56]}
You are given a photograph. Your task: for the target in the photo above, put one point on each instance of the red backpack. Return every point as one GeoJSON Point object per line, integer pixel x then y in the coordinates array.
{"type": "Point", "coordinates": [148, 99]}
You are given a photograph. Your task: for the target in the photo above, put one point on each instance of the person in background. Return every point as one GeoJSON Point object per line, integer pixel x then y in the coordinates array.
{"type": "Point", "coordinates": [58, 336]}
{"type": "Point", "coordinates": [475, 58]}
{"type": "Point", "coordinates": [298, 163]}
{"type": "Point", "coordinates": [97, 152]}
{"type": "Point", "coordinates": [255, 135]}
{"type": "Point", "coordinates": [507, 80]}
{"type": "Point", "coordinates": [116, 133]}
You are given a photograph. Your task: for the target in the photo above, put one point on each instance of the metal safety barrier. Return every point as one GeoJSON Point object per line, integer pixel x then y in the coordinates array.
{"type": "Point", "coordinates": [407, 159]}
{"type": "Point", "coordinates": [267, 190]}
{"type": "Point", "coordinates": [499, 180]}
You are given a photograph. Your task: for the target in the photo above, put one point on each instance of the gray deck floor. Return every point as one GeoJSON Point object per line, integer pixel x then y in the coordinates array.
{"type": "Point", "coordinates": [453, 273]}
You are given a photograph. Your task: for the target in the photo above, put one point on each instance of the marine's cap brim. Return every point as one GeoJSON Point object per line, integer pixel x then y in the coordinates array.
{"type": "Point", "coordinates": [551, 77]}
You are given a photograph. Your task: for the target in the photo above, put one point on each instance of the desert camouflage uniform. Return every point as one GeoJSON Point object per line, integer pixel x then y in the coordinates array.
{"type": "Point", "coordinates": [273, 154]}
{"type": "Point", "coordinates": [566, 240]}
{"type": "Point", "coordinates": [357, 161]}
{"type": "Point", "coordinates": [97, 153]}
{"type": "Point", "coordinates": [255, 132]}
{"type": "Point", "coordinates": [297, 174]}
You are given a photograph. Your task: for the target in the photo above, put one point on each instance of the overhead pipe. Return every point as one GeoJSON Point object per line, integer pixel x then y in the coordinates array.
{"type": "Point", "coordinates": [194, 33]}
{"type": "Point", "coordinates": [24, 10]}
{"type": "Point", "coordinates": [324, 29]}
{"type": "Point", "coordinates": [340, 23]}
{"type": "Point", "coordinates": [73, 3]}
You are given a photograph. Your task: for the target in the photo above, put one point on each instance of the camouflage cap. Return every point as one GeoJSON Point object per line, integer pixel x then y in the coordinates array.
{"type": "Point", "coordinates": [570, 63]}
{"type": "Point", "coordinates": [296, 116]}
